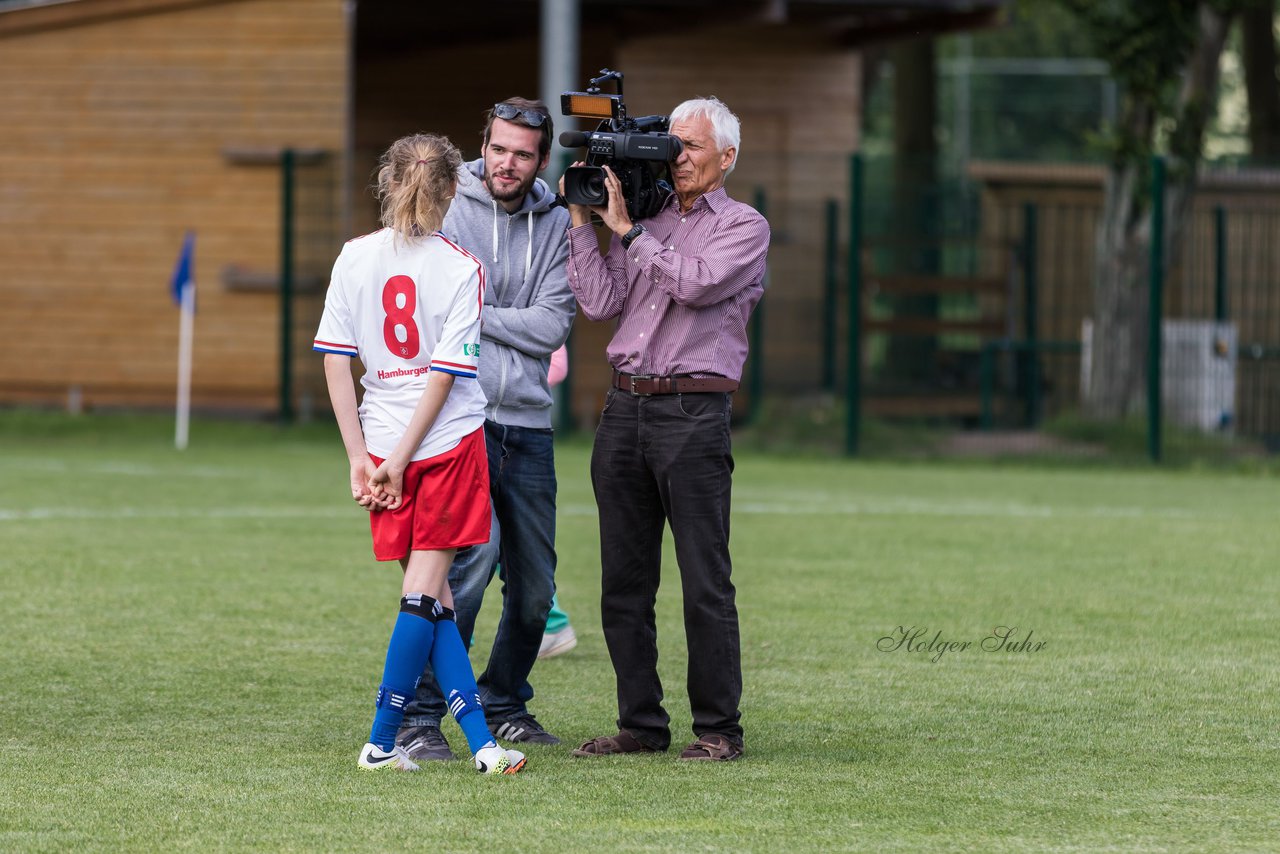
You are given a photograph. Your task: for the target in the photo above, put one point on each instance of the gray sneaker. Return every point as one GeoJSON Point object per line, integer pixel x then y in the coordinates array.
{"type": "Point", "coordinates": [424, 744]}
{"type": "Point", "coordinates": [522, 728]}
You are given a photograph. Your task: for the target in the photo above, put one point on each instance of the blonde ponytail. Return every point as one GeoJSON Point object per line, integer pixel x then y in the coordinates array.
{"type": "Point", "coordinates": [416, 179]}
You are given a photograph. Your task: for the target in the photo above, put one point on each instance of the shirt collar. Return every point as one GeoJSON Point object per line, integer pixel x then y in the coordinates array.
{"type": "Point", "coordinates": [715, 200]}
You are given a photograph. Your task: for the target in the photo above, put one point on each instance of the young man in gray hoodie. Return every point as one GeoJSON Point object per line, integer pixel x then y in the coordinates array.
{"type": "Point", "coordinates": [503, 215]}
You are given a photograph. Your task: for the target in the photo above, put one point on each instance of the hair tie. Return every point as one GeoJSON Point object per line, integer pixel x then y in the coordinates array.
{"type": "Point", "coordinates": [422, 161]}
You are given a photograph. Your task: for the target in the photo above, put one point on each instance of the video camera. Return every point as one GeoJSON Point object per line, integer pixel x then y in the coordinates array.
{"type": "Point", "coordinates": [639, 151]}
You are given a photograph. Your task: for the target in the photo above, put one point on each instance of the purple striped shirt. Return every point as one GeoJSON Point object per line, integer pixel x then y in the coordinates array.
{"type": "Point", "coordinates": [682, 292]}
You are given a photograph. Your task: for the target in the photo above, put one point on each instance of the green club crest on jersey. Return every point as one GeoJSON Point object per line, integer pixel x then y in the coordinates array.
{"type": "Point", "coordinates": [471, 349]}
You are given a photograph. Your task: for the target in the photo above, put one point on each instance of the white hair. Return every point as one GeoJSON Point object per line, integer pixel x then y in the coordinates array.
{"type": "Point", "coordinates": [725, 126]}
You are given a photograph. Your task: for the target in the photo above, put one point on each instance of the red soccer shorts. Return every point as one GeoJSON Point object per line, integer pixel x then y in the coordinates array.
{"type": "Point", "coordinates": [445, 503]}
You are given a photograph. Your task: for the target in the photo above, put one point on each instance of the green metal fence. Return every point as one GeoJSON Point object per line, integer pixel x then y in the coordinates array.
{"type": "Point", "coordinates": [1212, 363]}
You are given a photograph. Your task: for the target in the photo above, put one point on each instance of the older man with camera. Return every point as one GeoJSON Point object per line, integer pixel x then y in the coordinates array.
{"type": "Point", "coordinates": [681, 284]}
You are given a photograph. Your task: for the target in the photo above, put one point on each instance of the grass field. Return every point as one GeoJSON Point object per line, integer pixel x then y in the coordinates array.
{"type": "Point", "coordinates": [190, 643]}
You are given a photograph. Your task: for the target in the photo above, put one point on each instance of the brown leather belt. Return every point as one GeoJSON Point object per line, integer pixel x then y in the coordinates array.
{"type": "Point", "coordinates": [646, 384]}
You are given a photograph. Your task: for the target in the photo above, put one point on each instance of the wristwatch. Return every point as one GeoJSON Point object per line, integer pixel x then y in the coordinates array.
{"type": "Point", "coordinates": [636, 231]}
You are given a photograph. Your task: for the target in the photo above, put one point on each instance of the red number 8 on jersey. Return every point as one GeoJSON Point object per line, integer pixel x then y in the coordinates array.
{"type": "Point", "coordinates": [396, 287]}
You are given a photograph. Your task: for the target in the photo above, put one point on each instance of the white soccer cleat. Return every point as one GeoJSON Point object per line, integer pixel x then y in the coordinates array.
{"type": "Point", "coordinates": [496, 760]}
{"type": "Point", "coordinates": [374, 758]}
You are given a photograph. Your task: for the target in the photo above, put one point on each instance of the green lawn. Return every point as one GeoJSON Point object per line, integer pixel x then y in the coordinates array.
{"type": "Point", "coordinates": [190, 644]}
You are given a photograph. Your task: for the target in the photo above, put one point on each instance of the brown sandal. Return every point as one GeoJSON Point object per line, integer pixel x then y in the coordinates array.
{"type": "Point", "coordinates": [609, 745]}
{"type": "Point", "coordinates": [712, 748]}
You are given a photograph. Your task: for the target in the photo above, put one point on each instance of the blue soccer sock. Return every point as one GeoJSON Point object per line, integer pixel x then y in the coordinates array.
{"type": "Point", "coordinates": [407, 654]}
{"type": "Point", "coordinates": [458, 683]}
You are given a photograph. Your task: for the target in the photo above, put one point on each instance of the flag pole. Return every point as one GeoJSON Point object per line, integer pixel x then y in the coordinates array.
{"type": "Point", "coordinates": [186, 331]}
{"type": "Point", "coordinates": [183, 288]}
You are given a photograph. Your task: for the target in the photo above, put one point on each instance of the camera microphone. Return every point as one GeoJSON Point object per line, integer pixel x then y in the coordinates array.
{"type": "Point", "coordinates": [573, 139]}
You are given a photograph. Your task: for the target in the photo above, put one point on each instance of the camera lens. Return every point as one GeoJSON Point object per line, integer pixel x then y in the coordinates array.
{"type": "Point", "coordinates": [584, 185]}
{"type": "Point", "coordinates": [594, 186]}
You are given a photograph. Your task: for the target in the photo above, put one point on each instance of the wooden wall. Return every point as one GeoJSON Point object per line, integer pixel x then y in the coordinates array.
{"type": "Point", "coordinates": [115, 140]}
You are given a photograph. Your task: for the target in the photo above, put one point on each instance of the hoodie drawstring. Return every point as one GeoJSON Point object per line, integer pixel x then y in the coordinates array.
{"type": "Point", "coordinates": [495, 231]}
{"type": "Point", "coordinates": [528, 244]}
{"type": "Point", "coordinates": [528, 249]}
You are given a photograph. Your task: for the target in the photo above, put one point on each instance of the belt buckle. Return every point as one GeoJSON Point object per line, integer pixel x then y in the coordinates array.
{"type": "Point", "coordinates": [642, 378]}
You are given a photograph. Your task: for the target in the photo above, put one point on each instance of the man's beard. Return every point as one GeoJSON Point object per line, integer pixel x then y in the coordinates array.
{"type": "Point", "coordinates": [516, 192]}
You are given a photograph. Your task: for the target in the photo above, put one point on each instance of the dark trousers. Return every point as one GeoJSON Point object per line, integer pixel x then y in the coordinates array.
{"type": "Point", "coordinates": [666, 459]}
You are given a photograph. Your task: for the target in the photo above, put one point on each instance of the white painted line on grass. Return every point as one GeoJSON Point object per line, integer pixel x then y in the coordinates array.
{"type": "Point", "coordinates": [919, 507]}
{"type": "Point", "coordinates": [36, 514]}
{"type": "Point", "coordinates": [878, 507]}
{"type": "Point", "coordinates": [127, 469]}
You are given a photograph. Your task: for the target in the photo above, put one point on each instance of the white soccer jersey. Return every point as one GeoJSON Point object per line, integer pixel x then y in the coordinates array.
{"type": "Point", "coordinates": [405, 308]}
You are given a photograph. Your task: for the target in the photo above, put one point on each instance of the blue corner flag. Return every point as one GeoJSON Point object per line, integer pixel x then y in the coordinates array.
{"type": "Point", "coordinates": [184, 294]}
{"type": "Point", "coordinates": [182, 275]}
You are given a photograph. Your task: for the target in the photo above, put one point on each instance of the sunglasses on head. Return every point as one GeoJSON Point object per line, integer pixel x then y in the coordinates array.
{"type": "Point", "coordinates": [507, 112]}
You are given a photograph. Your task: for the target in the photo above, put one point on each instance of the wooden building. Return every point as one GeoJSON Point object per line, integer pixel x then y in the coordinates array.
{"type": "Point", "coordinates": [129, 122]}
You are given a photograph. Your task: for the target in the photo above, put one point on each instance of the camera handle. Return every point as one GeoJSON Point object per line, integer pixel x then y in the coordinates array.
{"type": "Point", "coordinates": [605, 76]}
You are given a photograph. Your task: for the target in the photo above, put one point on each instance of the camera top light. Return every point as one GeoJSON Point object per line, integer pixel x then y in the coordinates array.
{"type": "Point", "coordinates": [590, 106]}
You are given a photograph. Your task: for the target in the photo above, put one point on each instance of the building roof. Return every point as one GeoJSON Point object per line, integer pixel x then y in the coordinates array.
{"type": "Point", "coordinates": [853, 22]}
{"type": "Point", "coordinates": [18, 16]}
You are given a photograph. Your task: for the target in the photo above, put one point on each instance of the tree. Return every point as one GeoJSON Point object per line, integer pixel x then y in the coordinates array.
{"type": "Point", "coordinates": [1165, 57]}
{"type": "Point", "coordinates": [1261, 83]}
{"type": "Point", "coordinates": [913, 359]}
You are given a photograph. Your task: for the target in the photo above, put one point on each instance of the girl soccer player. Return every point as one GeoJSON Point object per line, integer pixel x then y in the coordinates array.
{"type": "Point", "coordinates": [406, 302]}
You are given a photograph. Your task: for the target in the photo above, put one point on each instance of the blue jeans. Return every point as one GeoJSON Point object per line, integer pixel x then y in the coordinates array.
{"type": "Point", "coordinates": [522, 485]}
